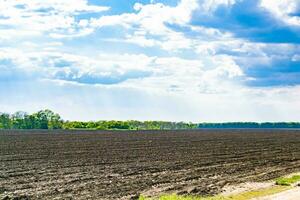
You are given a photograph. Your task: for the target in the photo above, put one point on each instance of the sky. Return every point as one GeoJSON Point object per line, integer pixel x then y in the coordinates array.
{"type": "Point", "coordinates": [174, 60]}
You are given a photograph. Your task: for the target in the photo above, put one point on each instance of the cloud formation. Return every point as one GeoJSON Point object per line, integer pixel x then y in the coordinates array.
{"type": "Point", "coordinates": [220, 53]}
{"type": "Point", "coordinates": [36, 17]}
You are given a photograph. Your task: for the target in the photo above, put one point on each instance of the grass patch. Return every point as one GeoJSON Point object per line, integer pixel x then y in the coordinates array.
{"type": "Point", "coordinates": [242, 196]}
{"type": "Point", "coordinates": [288, 181]}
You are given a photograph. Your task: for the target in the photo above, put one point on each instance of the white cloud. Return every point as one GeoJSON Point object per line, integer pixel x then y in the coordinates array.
{"type": "Point", "coordinates": [283, 10]}
{"type": "Point", "coordinates": [208, 6]}
{"type": "Point", "coordinates": [151, 20]}
{"type": "Point", "coordinates": [37, 16]}
{"type": "Point", "coordinates": [151, 25]}
{"type": "Point", "coordinates": [156, 74]}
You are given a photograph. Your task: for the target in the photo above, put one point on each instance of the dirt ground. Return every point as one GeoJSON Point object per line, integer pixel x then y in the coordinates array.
{"type": "Point", "coordinates": [123, 164]}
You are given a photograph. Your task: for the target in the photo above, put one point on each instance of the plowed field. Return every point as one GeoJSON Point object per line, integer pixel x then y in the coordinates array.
{"type": "Point", "coordinates": [123, 164]}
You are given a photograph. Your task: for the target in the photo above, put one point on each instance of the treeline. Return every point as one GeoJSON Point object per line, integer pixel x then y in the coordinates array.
{"type": "Point", "coordinates": [47, 119]}
{"type": "Point", "coordinates": [44, 119]}
{"type": "Point", "coordinates": [250, 125]}
{"type": "Point", "coordinates": [129, 125]}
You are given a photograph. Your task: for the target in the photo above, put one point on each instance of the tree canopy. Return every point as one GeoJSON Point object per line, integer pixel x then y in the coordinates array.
{"type": "Point", "coordinates": [44, 119]}
{"type": "Point", "coordinates": [47, 119]}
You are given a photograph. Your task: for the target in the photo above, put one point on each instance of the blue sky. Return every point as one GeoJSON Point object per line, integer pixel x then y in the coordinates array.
{"type": "Point", "coordinates": [178, 60]}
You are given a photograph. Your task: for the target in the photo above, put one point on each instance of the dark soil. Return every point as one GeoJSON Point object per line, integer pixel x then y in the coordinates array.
{"type": "Point", "coordinates": [123, 164]}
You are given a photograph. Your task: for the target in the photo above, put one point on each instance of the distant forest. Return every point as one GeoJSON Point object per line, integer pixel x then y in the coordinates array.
{"type": "Point", "coordinates": [47, 119]}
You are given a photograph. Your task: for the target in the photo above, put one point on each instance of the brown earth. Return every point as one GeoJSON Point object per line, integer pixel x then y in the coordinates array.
{"type": "Point", "coordinates": [122, 164]}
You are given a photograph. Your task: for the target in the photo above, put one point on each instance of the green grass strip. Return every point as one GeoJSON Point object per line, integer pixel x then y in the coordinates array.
{"type": "Point", "coordinates": [288, 181]}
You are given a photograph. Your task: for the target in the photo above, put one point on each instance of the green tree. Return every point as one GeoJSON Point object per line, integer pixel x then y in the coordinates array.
{"type": "Point", "coordinates": [5, 122]}
{"type": "Point", "coordinates": [47, 119]}
{"type": "Point", "coordinates": [18, 120]}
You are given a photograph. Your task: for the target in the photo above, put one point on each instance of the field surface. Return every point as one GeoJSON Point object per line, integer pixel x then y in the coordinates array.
{"type": "Point", "coordinates": [123, 164]}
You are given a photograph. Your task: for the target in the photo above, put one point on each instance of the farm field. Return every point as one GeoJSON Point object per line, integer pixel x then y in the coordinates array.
{"type": "Point", "coordinates": [124, 164]}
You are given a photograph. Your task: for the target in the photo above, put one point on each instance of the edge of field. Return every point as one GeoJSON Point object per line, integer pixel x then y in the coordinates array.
{"type": "Point", "coordinates": [244, 191]}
